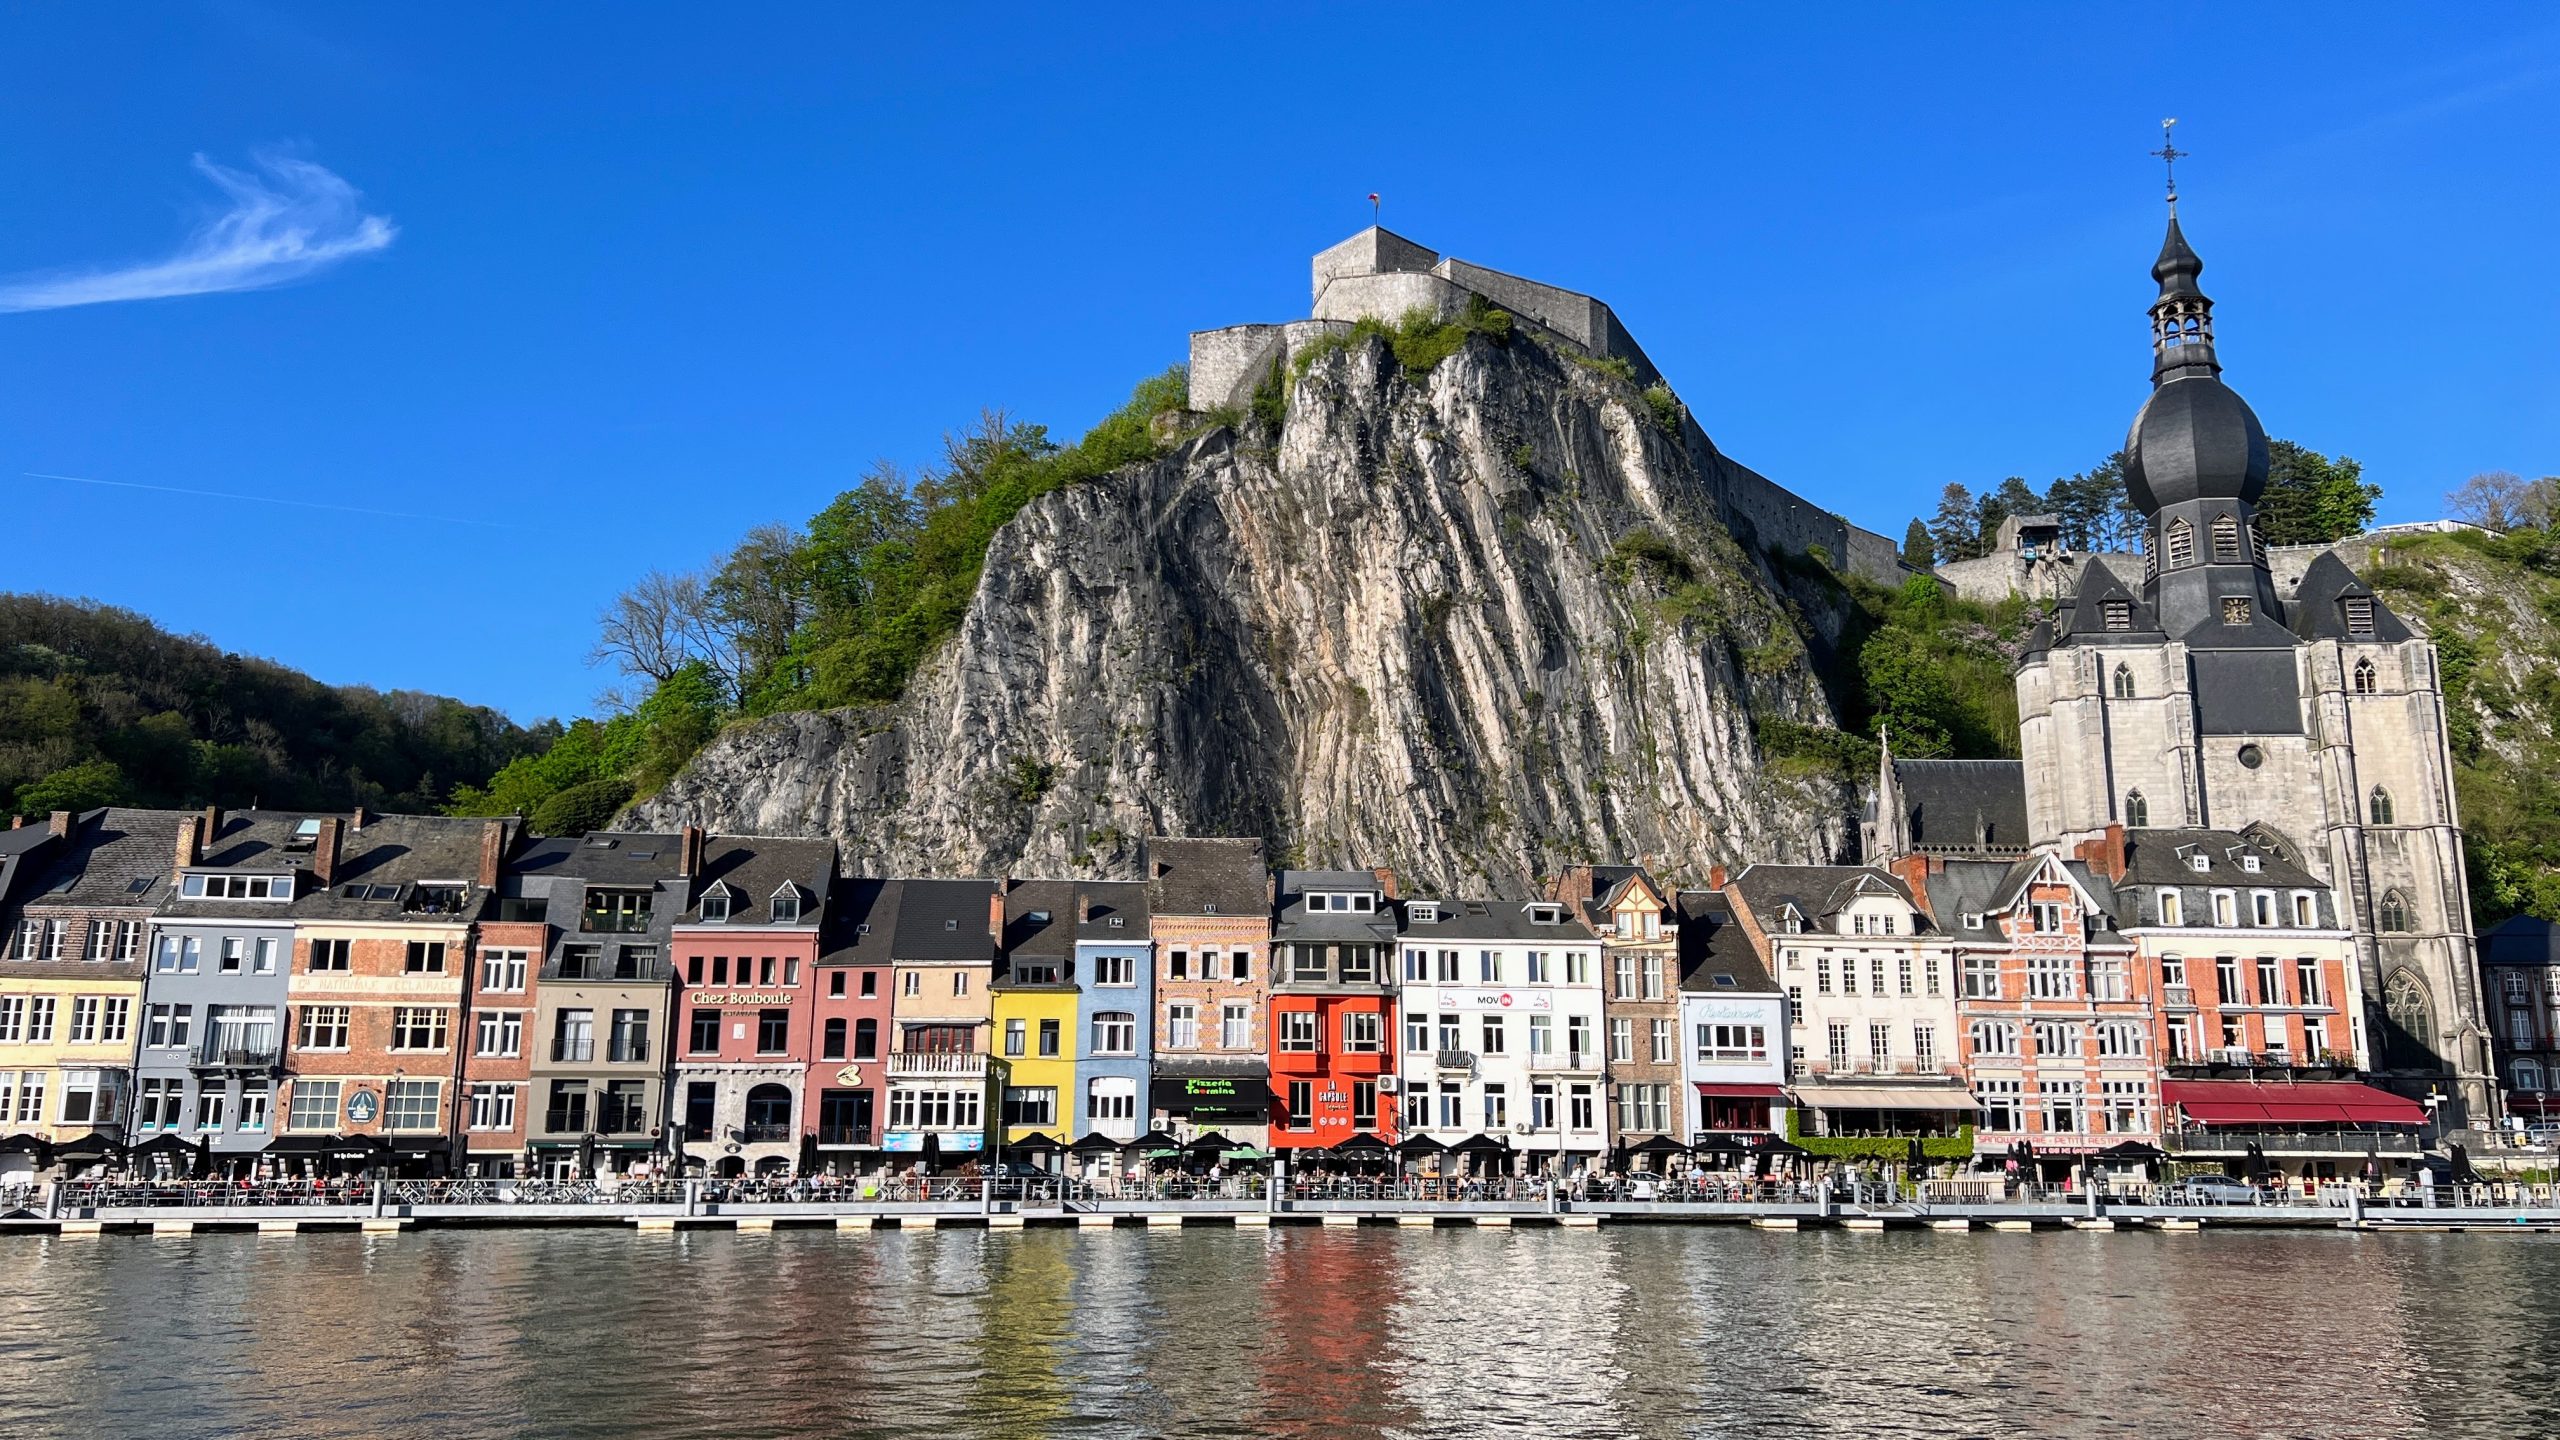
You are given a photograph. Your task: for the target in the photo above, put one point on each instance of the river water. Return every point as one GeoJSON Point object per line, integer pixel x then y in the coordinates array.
{"type": "Point", "coordinates": [1638, 1331]}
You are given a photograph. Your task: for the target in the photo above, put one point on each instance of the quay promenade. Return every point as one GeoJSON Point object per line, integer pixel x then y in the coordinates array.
{"type": "Point", "coordinates": [390, 1205]}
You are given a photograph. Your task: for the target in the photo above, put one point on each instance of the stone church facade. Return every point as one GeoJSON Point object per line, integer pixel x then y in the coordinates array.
{"type": "Point", "coordinates": [2207, 696]}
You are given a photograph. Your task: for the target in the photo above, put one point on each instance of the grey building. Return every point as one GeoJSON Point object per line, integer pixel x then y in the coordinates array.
{"type": "Point", "coordinates": [601, 1024]}
{"type": "Point", "coordinates": [212, 1027]}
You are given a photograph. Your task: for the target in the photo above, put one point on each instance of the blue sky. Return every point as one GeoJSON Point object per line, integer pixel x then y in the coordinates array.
{"type": "Point", "coordinates": [615, 283]}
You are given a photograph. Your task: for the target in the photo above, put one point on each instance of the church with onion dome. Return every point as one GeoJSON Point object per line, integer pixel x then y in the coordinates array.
{"type": "Point", "coordinates": [2309, 717]}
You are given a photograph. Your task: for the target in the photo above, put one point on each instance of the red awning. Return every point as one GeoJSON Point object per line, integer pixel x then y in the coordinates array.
{"type": "Point", "coordinates": [1742, 1092]}
{"type": "Point", "coordinates": [2289, 1103]}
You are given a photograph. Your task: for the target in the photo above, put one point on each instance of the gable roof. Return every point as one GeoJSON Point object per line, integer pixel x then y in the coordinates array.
{"type": "Point", "coordinates": [2320, 605]}
{"type": "Point", "coordinates": [755, 868]}
{"type": "Point", "coordinates": [2082, 619]}
{"type": "Point", "coordinates": [1976, 807]}
{"type": "Point", "coordinates": [1713, 947]}
{"type": "Point", "coordinates": [861, 922]}
{"type": "Point", "coordinates": [1040, 919]}
{"type": "Point", "coordinates": [1493, 920]}
{"type": "Point", "coordinates": [945, 920]}
{"type": "Point", "coordinates": [1099, 902]}
{"type": "Point", "coordinates": [1207, 877]}
{"type": "Point", "coordinates": [116, 857]}
{"type": "Point", "coordinates": [1816, 891]}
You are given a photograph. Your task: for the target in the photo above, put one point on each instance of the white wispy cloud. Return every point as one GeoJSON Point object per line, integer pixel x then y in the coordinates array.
{"type": "Point", "coordinates": [294, 219]}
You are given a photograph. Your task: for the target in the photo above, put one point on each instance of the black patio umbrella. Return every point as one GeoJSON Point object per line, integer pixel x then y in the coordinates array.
{"type": "Point", "coordinates": [2460, 1166]}
{"type": "Point", "coordinates": [1154, 1140]}
{"type": "Point", "coordinates": [92, 1146]}
{"type": "Point", "coordinates": [176, 1150]}
{"type": "Point", "coordinates": [1208, 1145]}
{"type": "Point", "coordinates": [2133, 1150]}
{"type": "Point", "coordinates": [1650, 1145]}
{"type": "Point", "coordinates": [1919, 1158]}
{"type": "Point", "coordinates": [1479, 1144]}
{"type": "Point", "coordinates": [809, 1154]}
{"type": "Point", "coordinates": [1418, 1144]}
{"type": "Point", "coordinates": [1358, 1145]}
{"type": "Point", "coordinates": [35, 1145]}
{"type": "Point", "coordinates": [2255, 1163]}
{"type": "Point", "coordinates": [1038, 1142]}
{"type": "Point", "coordinates": [1095, 1143]}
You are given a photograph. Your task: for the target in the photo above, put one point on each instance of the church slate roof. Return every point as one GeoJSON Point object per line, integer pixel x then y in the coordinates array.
{"type": "Point", "coordinates": [1979, 806]}
{"type": "Point", "coordinates": [2320, 605]}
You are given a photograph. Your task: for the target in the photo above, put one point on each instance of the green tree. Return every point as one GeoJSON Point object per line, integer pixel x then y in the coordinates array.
{"type": "Point", "coordinates": [1952, 530]}
{"type": "Point", "coordinates": [1918, 550]}
{"type": "Point", "coordinates": [2311, 499]}
{"type": "Point", "coordinates": [590, 805]}
{"type": "Point", "coordinates": [80, 787]}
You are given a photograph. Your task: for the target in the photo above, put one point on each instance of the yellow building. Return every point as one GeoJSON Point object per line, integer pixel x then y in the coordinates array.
{"type": "Point", "coordinates": [1035, 1010]}
{"type": "Point", "coordinates": [78, 895]}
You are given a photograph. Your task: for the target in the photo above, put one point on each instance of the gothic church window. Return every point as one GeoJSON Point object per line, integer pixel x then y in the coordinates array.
{"type": "Point", "coordinates": [2408, 1045]}
{"type": "Point", "coordinates": [2124, 683]}
{"type": "Point", "coordinates": [2364, 677]}
{"type": "Point", "coordinates": [2226, 538]}
{"type": "Point", "coordinates": [2393, 915]}
{"type": "Point", "coordinates": [2180, 541]}
{"type": "Point", "coordinates": [2377, 807]}
{"type": "Point", "coordinates": [2137, 811]}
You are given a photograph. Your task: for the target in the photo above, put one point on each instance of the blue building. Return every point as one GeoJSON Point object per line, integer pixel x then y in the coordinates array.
{"type": "Point", "coordinates": [1115, 1006]}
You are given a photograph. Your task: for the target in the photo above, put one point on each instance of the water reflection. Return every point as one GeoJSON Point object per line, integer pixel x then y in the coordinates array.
{"type": "Point", "coordinates": [1636, 1332]}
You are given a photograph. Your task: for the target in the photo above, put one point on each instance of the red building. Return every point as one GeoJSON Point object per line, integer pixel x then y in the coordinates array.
{"type": "Point", "coordinates": [1333, 1023]}
{"type": "Point", "coordinates": [746, 959]}
{"type": "Point", "coordinates": [848, 1074]}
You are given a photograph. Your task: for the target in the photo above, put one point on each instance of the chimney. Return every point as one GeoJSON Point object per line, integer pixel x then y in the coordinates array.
{"type": "Point", "coordinates": [493, 848]}
{"type": "Point", "coordinates": [324, 851]}
{"type": "Point", "coordinates": [2105, 851]}
{"type": "Point", "coordinates": [17, 822]}
{"type": "Point", "coordinates": [1715, 876]}
{"type": "Point", "coordinates": [689, 852]}
{"type": "Point", "coordinates": [995, 908]}
{"type": "Point", "coordinates": [60, 824]}
{"type": "Point", "coordinates": [1386, 881]}
{"type": "Point", "coordinates": [190, 840]}
{"type": "Point", "coordinates": [356, 821]}
{"type": "Point", "coordinates": [212, 825]}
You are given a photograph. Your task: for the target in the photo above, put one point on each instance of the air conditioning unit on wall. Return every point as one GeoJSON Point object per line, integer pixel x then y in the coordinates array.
{"type": "Point", "coordinates": [1390, 1084]}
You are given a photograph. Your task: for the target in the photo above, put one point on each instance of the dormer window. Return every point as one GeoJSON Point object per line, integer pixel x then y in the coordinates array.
{"type": "Point", "coordinates": [1546, 914]}
{"type": "Point", "coordinates": [2201, 864]}
{"type": "Point", "coordinates": [1356, 904]}
{"type": "Point", "coordinates": [2249, 864]}
{"type": "Point", "coordinates": [440, 898]}
{"type": "Point", "coordinates": [2359, 610]}
{"type": "Point", "coordinates": [786, 905]}
{"type": "Point", "coordinates": [1423, 912]}
{"type": "Point", "coordinates": [236, 887]}
{"type": "Point", "coordinates": [715, 904]}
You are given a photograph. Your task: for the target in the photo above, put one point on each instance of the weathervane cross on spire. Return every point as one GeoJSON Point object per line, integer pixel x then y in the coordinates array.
{"type": "Point", "coordinates": [2170, 155]}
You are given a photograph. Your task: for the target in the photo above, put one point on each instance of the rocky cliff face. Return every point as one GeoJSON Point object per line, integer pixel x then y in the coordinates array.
{"type": "Point", "coordinates": [1407, 629]}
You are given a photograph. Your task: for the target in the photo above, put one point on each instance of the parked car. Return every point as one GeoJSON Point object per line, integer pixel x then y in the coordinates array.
{"type": "Point", "coordinates": [2218, 1190]}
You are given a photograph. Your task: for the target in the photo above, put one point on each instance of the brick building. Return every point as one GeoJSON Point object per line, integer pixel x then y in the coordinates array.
{"type": "Point", "coordinates": [1209, 913]}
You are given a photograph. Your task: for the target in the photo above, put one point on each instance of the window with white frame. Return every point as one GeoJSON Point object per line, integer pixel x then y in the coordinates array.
{"type": "Point", "coordinates": [412, 1105]}
{"type": "Point", "coordinates": [1995, 1037]}
{"type": "Point", "coordinates": [1981, 977]}
{"type": "Point", "coordinates": [2003, 1109]}
{"type": "Point", "coordinates": [493, 1106]}
{"type": "Point", "coordinates": [1297, 1029]}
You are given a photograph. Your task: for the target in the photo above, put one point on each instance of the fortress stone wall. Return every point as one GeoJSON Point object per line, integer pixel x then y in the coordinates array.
{"type": "Point", "coordinates": [1380, 275]}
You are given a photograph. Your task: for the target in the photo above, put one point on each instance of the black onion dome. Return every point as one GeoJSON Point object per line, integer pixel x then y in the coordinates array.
{"type": "Point", "coordinates": [2195, 439]}
{"type": "Point", "coordinates": [2178, 265]}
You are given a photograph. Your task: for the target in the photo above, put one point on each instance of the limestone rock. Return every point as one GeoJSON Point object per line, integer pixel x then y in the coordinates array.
{"type": "Point", "coordinates": [1391, 634]}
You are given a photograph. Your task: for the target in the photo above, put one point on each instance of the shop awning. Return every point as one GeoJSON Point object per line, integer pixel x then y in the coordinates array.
{"type": "Point", "coordinates": [1885, 1097]}
{"type": "Point", "coordinates": [1741, 1092]}
{"type": "Point", "coordinates": [2289, 1104]}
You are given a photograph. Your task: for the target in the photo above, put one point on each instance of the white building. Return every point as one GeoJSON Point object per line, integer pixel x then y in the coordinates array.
{"type": "Point", "coordinates": [1501, 1006]}
{"type": "Point", "coordinates": [1870, 994]}
{"type": "Point", "coordinates": [1733, 1027]}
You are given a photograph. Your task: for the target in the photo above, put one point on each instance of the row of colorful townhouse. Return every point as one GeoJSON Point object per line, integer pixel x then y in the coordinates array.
{"type": "Point", "coordinates": [436, 994]}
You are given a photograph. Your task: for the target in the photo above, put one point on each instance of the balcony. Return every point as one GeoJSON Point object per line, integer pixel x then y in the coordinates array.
{"type": "Point", "coordinates": [607, 922]}
{"type": "Point", "coordinates": [2178, 997]}
{"type": "Point", "coordinates": [572, 1121]}
{"type": "Point", "coordinates": [765, 1134]}
{"type": "Point", "coordinates": [1461, 1061]}
{"type": "Point", "coordinates": [925, 1064]}
{"type": "Point", "coordinates": [252, 1051]}
{"type": "Point", "coordinates": [2227, 1060]}
{"type": "Point", "coordinates": [572, 1052]}
{"type": "Point", "coordinates": [631, 1051]}
{"type": "Point", "coordinates": [844, 1134]}
{"type": "Point", "coordinates": [1565, 1064]}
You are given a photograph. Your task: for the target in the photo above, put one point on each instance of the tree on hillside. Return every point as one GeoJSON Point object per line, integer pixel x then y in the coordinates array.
{"type": "Point", "coordinates": [657, 627]}
{"type": "Point", "coordinates": [1918, 550]}
{"type": "Point", "coordinates": [2504, 500]}
{"type": "Point", "coordinates": [2092, 507]}
{"type": "Point", "coordinates": [2311, 499]}
{"type": "Point", "coordinates": [2013, 496]}
{"type": "Point", "coordinates": [1951, 530]}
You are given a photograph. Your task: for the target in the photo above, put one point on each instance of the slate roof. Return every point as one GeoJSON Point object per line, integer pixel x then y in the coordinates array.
{"type": "Point", "coordinates": [2521, 940]}
{"type": "Point", "coordinates": [1040, 920]}
{"type": "Point", "coordinates": [1207, 877]}
{"type": "Point", "coordinates": [1816, 891]}
{"type": "Point", "coordinates": [260, 842]}
{"type": "Point", "coordinates": [1495, 920]}
{"type": "Point", "coordinates": [107, 854]}
{"type": "Point", "coordinates": [1713, 946]}
{"type": "Point", "coordinates": [945, 920]}
{"type": "Point", "coordinates": [1609, 884]}
{"type": "Point", "coordinates": [1296, 922]}
{"type": "Point", "coordinates": [620, 857]}
{"type": "Point", "coordinates": [1977, 806]}
{"type": "Point", "coordinates": [1985, 887]}
{"type": "Point", "coordinates": [2082, 619]}
{"type": "Point", "coordinates": [2159, 859]}
{"type": "Point", "coordinates": [1099, 902]}
{"type": "Point", "coordinates": [2320, 609]}
{"type": "Point", "coordinates": [754, 867]}
{"type": "Point", "coordinates": [401, 851]}
{"type": "Point", "coordinates": [862, 922]}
